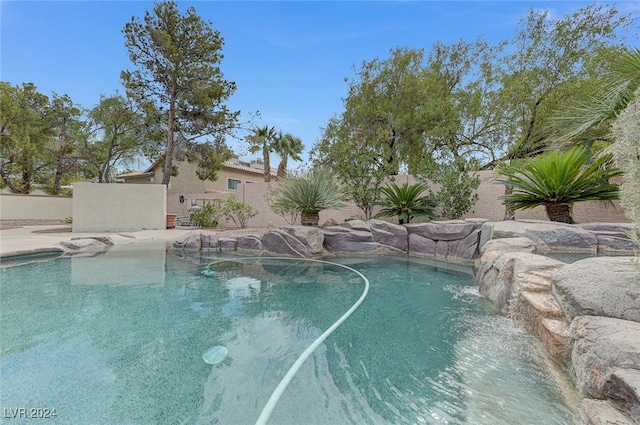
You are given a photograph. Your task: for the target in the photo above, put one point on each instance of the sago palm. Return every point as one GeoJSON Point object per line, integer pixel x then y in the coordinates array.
{"type": "Point", "coordinates": [558, 180]}
{"type": "Point", "coordinates": [406, 203]}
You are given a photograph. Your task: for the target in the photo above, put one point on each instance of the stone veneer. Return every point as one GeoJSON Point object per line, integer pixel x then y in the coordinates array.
{"type": "Point", "coordinates": [587, 314]}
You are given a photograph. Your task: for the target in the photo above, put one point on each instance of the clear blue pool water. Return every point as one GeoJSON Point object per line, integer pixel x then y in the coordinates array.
{"type": "Point", "coordinates": [119, 339]}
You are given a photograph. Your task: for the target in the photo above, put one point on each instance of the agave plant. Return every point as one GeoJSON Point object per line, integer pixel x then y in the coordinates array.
{"type": "Point", "coordinates": [558, 180]}
{"type": "Point", "coordinates": [406, 203]}
{"type": "Point", "coordinates": [308, 193]}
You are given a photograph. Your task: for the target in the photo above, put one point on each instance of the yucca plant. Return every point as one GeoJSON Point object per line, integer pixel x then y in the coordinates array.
{"type": "Point", "coordinates": [558, 180]}
{"type": "Point", "coordinates": [405, 202]}
{"type": "Point", "coordinates": [308, 193]}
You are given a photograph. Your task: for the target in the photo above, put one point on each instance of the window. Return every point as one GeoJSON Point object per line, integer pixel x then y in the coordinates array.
{"type": "Point", "coordinates": [233, 184]}
{"type": "Point", "coordinates": [149, 179]}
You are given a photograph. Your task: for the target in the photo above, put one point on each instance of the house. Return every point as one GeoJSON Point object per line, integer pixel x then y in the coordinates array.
{"type": "Point", "coordinates": [186, 190]}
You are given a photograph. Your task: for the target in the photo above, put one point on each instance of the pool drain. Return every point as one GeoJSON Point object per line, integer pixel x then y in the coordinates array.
{"type": "Point", "coordinates": [215, 355]}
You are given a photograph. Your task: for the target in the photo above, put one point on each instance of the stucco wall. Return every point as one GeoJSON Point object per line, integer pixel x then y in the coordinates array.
{"type": "Point", "coordinates": [489, 206]}
{"type": "Point", "coordinates": [35, 207]}
{"type": "Point", "coordinates": [118, 207]}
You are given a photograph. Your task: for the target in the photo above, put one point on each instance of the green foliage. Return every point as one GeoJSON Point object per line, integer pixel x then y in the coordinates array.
{"type": "Point", "coordinates": [307, 192]}
{"type": "Point", "coordinates": [236, 211]}
{"type": "Point", "coordinates": [626, 132]}
{"type": "Point", "coordinates": [207, 216]}
{"type": "Point", "coordinates": [287, 146]}
{"type": "Point", "coordinates": [23, 132]}
{"type": "Point", "coordinates": [115, 134]}
{"type": "Point", "coordinates": [406, 203]}
{"type": "Point", "coordinates": [559, 179]}
{"type": "Point", "coordinates": [177, 78]}
{"type": "Point", "coordinates": [355, 162]}
{"type": "Point", "coordinates": [263, 139]}
{"type": "Point", "coordinates": [456, 195]}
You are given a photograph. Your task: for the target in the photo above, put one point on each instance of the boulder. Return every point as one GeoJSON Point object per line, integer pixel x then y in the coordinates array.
{"type": "Point", "coordinates": [497, 273]}
{"type": "Point", "coordinates": [249, 243]}
{"type": "Point", "coordinates": [87, 244]}
{"type": "Point", "coordinates": [602, 346]}
{"type": "Point", "coordinates": [393, 235]}
{"type": "Point", "coordinates": [520, 244]}
{"type": "Point", "coordinates": [602, 412]}
{"type": "Point", "coordinates": [621, 229]}
{"type": "Point", "coordinates": [467, 248]}
{"type": "Point", "coordinates": [311, 237]}
{"type": "Point", "coordinates": [610, 241]}
{"type": "Point", "coordinates": [280, 242]}
{"type": "Point", "coordinates": [346, 238]}
{"type": "Point", "coordinates": [227, 244]}
{"type": "Point", "coordinates": [624, 388]}
{"type": "Point", "coordinates": [599, 286]}
{"type": "Point", "coordinates": [421, 245]}
{"type": "Point", "coordinates": [443, 230]}
{"type": "Point", "coordinates": [548, 236]}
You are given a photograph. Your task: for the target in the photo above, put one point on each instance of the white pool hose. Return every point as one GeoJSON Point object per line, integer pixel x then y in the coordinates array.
{"type": "Point", "coordinates": [277, 393]}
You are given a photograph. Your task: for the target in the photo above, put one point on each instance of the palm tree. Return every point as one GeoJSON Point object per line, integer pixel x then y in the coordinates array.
{"type": "Point", "coordinates": [287, 146]}
{"type": "Point", "coordinates": [307, 193]}
{"type": "Point", "coordinates": [591, 120]}
{"type": "Point", "coordinates": [558, 180]}
{"type": "Point", "coordinates": [262, 139]}
{"type": "Point", "coordinates": [406, 203]}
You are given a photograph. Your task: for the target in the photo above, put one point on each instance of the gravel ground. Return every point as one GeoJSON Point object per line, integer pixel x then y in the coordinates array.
{"type": "Point", "coordinates": [16, 224]}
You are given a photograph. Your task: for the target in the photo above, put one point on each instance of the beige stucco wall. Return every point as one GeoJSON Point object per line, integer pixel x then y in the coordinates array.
{"type": "Point", "coordinates": [489, 206]}
{"type": "Point", "coordinates": [118, 207]}
{"type": "Point", "coordinates": [35, 207]}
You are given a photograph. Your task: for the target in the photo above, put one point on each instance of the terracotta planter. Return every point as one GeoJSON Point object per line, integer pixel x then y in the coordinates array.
{"type": "Point", "coordinates": [171, 221]}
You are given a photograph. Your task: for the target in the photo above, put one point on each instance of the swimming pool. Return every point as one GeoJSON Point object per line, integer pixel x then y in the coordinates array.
{"type": "Point", "coordinates": [120, 337]}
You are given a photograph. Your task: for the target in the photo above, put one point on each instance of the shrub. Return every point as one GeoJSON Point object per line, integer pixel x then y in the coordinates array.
{"type": "Point", "coordinates": [207, 216]}
{"type": "Point", "coordinates": [236, 211]}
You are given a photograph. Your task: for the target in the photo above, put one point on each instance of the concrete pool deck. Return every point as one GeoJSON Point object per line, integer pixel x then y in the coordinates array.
{"type": "Point", "coordinates": [31, 239]}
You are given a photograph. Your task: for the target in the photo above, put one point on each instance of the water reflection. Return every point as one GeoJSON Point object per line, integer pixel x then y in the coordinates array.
{"type": "Point", "coordinates": [123, 264]}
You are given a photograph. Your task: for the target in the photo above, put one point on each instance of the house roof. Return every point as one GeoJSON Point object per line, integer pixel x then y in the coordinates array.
{"type": "Point", "coordinates": [228, 164]}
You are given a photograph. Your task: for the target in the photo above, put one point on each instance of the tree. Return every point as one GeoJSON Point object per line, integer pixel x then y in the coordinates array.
{"type": "Point", "coordinates": [62, 149]}
{"type": "Point", "coordinates": [356, 163]}
{"type": "Point", "coordinates": [406, 203]}
{"type": "Point", "coordinates": [23, 134]}
{"type": "Point", "coordinates": [115, 133]}
{"type": "Point", "coordinates": [287, 146]}
{"type": "Point", "coordinates": [558, 180]}
{"type": "Point", "coordinates": [589, 120]}
{"type": "Point", "coordinates": [177, 61]}
{"type": "Point", "coordinates": [263, 139]}
{"type": "Point", "coordinates": [553, 62]}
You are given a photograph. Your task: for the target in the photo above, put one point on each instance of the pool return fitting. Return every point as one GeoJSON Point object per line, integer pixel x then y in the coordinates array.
{"type": "Point", "coordinates": [284, 383]}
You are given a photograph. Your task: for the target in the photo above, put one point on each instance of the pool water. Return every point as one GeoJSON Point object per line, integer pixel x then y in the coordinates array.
{"type": "Point", "coordinates": [120, 337]}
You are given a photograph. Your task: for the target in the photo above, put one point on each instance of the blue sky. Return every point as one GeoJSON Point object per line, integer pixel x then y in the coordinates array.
{"type": "Point", "coordinates": [288, 59]}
